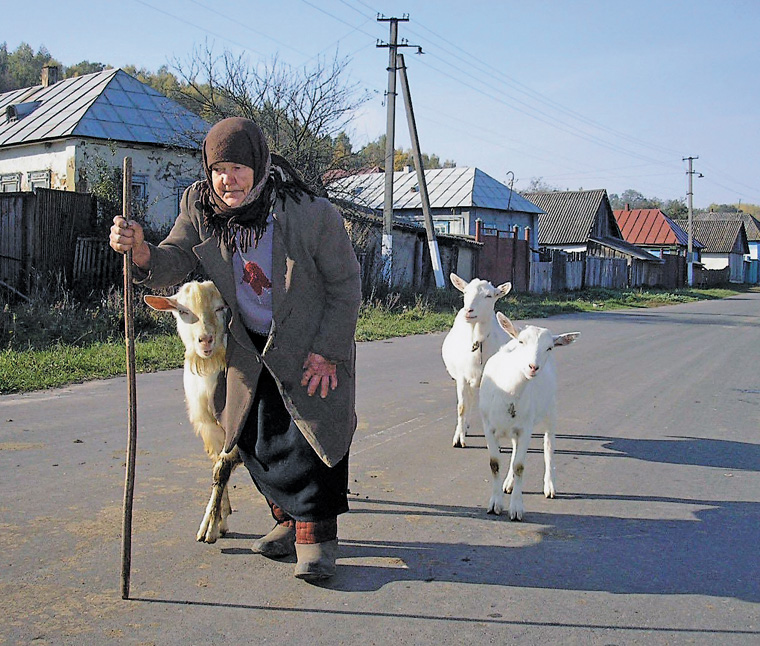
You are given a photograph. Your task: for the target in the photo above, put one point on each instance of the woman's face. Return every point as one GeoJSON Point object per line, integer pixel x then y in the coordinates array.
{"type": "Point", "coordinates": [232, 182]}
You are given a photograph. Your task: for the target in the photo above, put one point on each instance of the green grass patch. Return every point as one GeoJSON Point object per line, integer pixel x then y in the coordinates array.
{"type": "Point", "coordinates": [49, 346]}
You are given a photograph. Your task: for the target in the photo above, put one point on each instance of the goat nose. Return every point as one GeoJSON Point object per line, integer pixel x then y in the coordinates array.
{"type": "Point", "coordinates": [533, 367]}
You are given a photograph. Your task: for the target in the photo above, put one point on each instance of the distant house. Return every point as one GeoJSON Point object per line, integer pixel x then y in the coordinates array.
{"type": "Point", "coordinates": [751, 228]}
{"type": "Point", "coordinates": [458, 198]}
{"type": "Point", "coordinates": [56, 135]}
{"type": "Point", "coordinates": [576, 221]}
{"type": "Point", "coordinates": [725, 245]}
{"type": "Point", "coordinates": [654, 231]}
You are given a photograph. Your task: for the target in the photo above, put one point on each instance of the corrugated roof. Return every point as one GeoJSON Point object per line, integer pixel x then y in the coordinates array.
{"type": "Point", "coordinates": [751, 224]}
{"type": "Point", "coordinates": [108, 105]}
{"type": "Point", "coordinates": [447, 187]}
{"type": "Point", "coordinates": [569, 215]}
{"type": "Point", "coordinates": [718, 236]}
{"type": "Point", "coordinates": [651, 227]}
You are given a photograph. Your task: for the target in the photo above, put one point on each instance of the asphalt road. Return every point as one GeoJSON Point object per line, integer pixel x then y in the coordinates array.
{"type": "Point", "coordinates": [653, 538]}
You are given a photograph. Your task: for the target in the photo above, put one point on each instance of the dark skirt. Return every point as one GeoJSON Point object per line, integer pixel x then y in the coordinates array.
{"type": "Point", "coordinates": [284, 467]}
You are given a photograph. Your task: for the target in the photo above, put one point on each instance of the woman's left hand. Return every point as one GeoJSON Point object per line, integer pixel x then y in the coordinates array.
{"type": "Point", "coordinates": [320, 373]}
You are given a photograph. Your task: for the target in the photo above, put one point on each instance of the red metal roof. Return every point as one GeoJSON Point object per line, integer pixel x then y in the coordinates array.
{"type": "Point", "coordinates": [649, 227]}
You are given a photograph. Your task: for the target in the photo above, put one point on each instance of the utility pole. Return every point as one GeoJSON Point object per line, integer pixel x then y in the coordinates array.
{"type": "Point", "coordinates": [390, 128]}
{"type": "Point", "coordinates": [690, 239]}
{"type": "Point", "coordinates": [435, 256]}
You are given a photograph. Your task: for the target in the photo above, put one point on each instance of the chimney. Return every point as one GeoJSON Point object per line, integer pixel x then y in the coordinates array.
{"type": "Point", "coordinates": [627, 206]}
{"type": "Point", "coordinates": [49, 75]}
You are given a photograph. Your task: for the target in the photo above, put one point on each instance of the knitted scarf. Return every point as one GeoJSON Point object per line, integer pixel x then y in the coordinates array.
{"type": "Point", "coordinates": [241, 141]}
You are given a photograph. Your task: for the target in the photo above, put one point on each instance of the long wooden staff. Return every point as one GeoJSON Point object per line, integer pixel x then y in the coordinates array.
{"type": "Point", "coordinates": [129, 335]}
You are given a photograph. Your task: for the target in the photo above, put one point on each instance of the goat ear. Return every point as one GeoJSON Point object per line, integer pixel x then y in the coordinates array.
{"type": "Point", "coordinates": [458, 282]}
{"type": "Point", "coordinates": [160, 303]}
{"type": "Point", "coordinates": [503, 289]}
{"type": "Point", "coordinates": [566, 339]}
{"type": "Point", "coordinates": [507, 325]}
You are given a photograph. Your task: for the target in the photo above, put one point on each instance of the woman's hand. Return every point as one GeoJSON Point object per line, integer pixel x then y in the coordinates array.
{"type": "Point", "coordinates": [127, 236]}
{"type": "Point", "coordinates": [320, 373]}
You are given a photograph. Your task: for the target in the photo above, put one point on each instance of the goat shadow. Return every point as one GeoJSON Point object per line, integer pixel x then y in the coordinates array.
{"type": "Point", "coordinates": [712, 554]}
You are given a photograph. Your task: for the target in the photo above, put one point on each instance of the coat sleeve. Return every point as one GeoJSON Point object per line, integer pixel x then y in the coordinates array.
{"type": "Point", "coordinates": [173, 259]}
{"type": "Point", "coordinates": [339, 269]}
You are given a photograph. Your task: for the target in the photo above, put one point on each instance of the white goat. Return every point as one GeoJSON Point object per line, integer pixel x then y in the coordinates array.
{"type": "Point", "coordinates": [472, 340]}
{"type": "Point", "coordinates": [519, 391]}
{"type": "Point", "coordinates": [200, 313]}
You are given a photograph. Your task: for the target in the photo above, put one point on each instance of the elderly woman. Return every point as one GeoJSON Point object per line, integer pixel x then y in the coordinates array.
{"type": "Point", "coordinates": [284, 264]}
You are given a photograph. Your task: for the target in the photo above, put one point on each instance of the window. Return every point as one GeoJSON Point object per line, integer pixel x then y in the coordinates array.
{"type": "Point", "coordinates": [441, 227]}
{"type": "Point", "coordinates": [140, 192]}
{"type": "Point", "coordinates": [10, 183]}
{"type": "Point", "coordinates": [38, 179]}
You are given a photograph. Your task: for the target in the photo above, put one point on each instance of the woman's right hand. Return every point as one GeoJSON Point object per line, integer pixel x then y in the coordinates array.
{"type": "Point", "coordinates": [126, 236]}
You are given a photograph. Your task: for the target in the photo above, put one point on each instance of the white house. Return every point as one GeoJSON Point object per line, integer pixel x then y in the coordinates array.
{"type": "Point", "coordinates": [458, 198]}
{"type": "Point", "coordinates": [56, 135]}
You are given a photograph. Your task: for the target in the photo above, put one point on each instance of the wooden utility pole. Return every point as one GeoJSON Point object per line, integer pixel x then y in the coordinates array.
{"type": "Point", "coordinates": [435, 256]}
{"type": "Point", "coordinates": [690, 236]}
{"type": "Point", "coordinates": [390, 128]}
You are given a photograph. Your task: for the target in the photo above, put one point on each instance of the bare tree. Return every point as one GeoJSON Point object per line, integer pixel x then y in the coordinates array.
{"type": "Point", "coordinates": [301, 111]}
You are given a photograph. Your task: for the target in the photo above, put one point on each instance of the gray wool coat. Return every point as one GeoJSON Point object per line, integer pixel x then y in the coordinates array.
{"type": "Point", "coordinates": [316, 293]}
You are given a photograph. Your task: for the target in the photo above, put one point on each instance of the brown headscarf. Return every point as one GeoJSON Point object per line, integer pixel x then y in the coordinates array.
{"type": "Point", "coordinates": [241, 141]}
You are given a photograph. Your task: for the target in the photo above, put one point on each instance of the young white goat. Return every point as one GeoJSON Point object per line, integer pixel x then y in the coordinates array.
{"type": "Point", "coordinates": [472, 340]}
{"type": "Point", "coordinates": [519, 391]}
{"type": "Point", "coordinates": [200, 313]}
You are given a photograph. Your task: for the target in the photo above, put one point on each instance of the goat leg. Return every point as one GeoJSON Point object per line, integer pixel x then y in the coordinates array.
{"type": "Point", "coordinates": [213, 520]}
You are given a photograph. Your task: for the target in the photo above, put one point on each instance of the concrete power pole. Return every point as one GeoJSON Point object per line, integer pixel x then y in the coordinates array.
{"type": "Point", "coordinates": [690, 238]}
{"type": "Point", "coordinates": [390, 129]}
{"type": "Point", "coordinates": [435, 256]}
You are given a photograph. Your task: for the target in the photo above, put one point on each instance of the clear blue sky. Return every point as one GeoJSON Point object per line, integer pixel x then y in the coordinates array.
{"type": "Point", "coordinates": [584, 94]}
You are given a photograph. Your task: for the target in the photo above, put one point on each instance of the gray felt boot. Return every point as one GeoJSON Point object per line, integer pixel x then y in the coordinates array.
{"type": "Point", "coordinates": [279, 542]}
{"type": "Point", "coordinates": [316, 561]}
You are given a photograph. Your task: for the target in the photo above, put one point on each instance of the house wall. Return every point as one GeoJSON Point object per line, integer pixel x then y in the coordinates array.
{"type": "Point", "coordinates": [734, 262]}
{"type": "Point", "coordinates": [53, 156]}
{"type": "Point", "coordinates": [461, 222]}
{"type": "Point", "coordinates": [714, 260]}
{"type": "Point", "coordinates": [165, 172]}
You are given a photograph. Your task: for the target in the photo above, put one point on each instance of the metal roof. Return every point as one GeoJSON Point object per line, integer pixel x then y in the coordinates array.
{"type": "Point", "coordinates": [109, 105]}
{"type": "Point", "coordinates": [651, 227]}
{"type": "Point", "coordinates": [569, 215]}
{"type": "Point", "coordinates": [463, 187]}
{"type": "Point", "coordinates": [751, 223]}
{"type": "Point", "coordinates": [719, 236]}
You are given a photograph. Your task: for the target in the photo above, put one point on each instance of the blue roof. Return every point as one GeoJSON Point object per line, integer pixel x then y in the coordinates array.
{"type": "Point", "coordinates": [109, 105]}
{"type": "Point", "coordinates": [447, 187]}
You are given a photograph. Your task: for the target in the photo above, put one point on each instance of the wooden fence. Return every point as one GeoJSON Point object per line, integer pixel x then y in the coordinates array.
{"type": "Point", "coordinates": [38, 233]}
{"type": "Point", "coordinates": [96, 265]}
{"type": "Point", "coordinates": [568, 272]}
